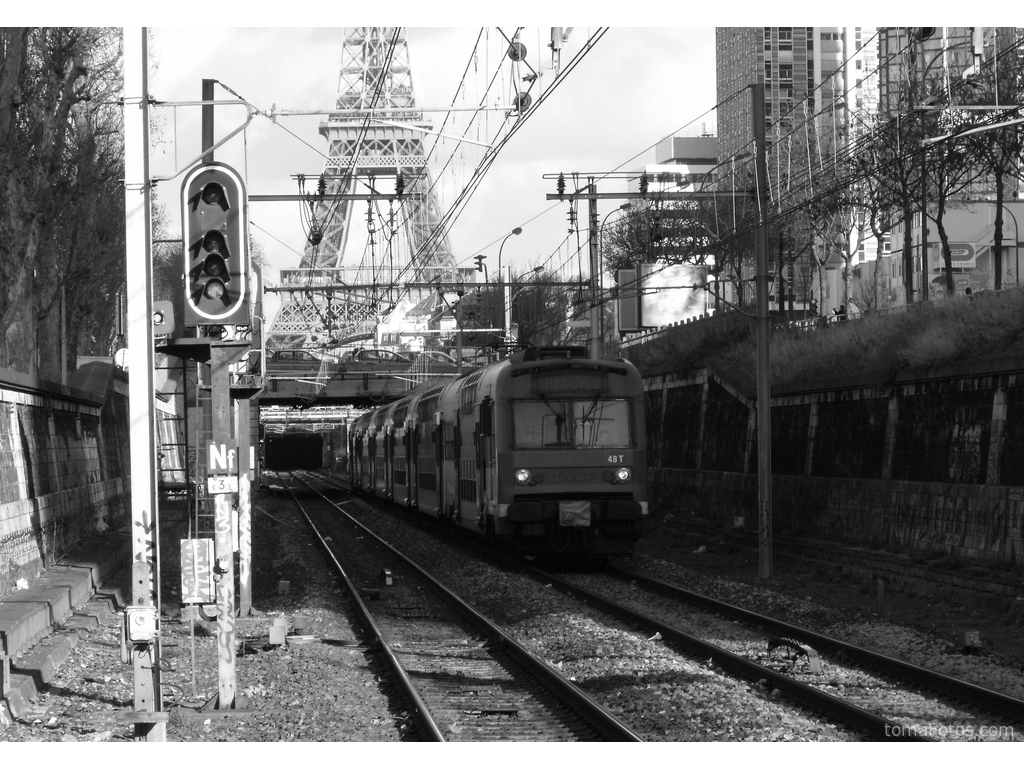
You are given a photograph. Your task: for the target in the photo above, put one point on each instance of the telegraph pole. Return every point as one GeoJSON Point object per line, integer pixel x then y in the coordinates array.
{"type": "Point", "coordinates": [141, 631]}
{"type": "Point", "coordinates": [764, 414]}
{"type": "Point", "coordinates": [595, 272]}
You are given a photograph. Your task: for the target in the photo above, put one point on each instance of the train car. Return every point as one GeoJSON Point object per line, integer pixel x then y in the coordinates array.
{"type": "Point", "coordinates": [543, 451]}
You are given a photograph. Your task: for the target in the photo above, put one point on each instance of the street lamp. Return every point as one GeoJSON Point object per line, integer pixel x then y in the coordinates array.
{"type": "Point", "coordinates": [600, 275]}
{"type": "Point", "coordinates": [506, 304]}
{"type": "Point", "coordinates": [516, 231]}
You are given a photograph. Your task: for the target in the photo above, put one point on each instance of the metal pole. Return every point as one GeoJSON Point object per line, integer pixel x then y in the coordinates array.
{"type": "Point", "coordinates": [224, 549]}
{"type": "Point", "coordinates": [595, 271]}
{"type": "Point", "coordinates": [145, 655]}
{"type": "Point", "coordinates": [924, 190]}
{"type": "Point", "coordinates": [207, 120]}
{"type": "Point", "coordinates": [501, 276]}
{"type": "Point", "coordinates": [506, 300]}
{"type": "Point", "coordinates": [243, 425]}
{"type": "Point", "coordinates": [458, 335]}
{"type": "Point", "coordinates": [764, 416]}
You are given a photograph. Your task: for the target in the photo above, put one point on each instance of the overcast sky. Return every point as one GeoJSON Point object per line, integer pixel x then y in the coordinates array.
{"type": "Point", "coordinates": [635, 87]}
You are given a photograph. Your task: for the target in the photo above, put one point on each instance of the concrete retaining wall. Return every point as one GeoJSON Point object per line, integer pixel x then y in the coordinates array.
{"type": "Point", "coordinates": [933, 464]}
{"type": "Point", "coordinates": [63, 467]}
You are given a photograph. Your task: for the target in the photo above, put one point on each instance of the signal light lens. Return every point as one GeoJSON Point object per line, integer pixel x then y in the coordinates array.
{"type": "Point", "coordinates": [213, 194]}
{"type": "Point", "coordinates": [623, 475]}
{"type": "Point", "coordinates": [214, 289]}
{"type": "Point", "coordinates": [214, 266]}
{"type": "Point", "coordinates": [523, 477]}
{"type": "Point", "coordinates": [214, 242]}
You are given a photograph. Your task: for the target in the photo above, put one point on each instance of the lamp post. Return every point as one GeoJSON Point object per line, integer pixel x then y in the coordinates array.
{"type": "Point", "coordinates": [600, 275]}
{"type": "Point", "coordinates": [1016, 247]}
{"type": "Point", "coordinates": [505, 302]}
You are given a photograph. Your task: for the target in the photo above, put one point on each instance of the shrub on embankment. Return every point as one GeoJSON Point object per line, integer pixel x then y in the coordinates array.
{"type": "Point", "coordinates": [869, 348]}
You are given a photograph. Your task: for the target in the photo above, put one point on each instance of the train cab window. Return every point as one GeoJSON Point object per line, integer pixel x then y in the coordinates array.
{"type": "Point", "coordinates": [576, 424]}
{"type": "Point", "coordinates": [601, 424]}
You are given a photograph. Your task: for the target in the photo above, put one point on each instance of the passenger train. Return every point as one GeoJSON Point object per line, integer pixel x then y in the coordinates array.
{"type": "Point", "coordinates": [543, 451]}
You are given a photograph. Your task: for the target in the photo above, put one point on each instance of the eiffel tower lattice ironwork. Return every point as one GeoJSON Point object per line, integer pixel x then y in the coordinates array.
{"type": "Point", "coordinates": [367, 151]}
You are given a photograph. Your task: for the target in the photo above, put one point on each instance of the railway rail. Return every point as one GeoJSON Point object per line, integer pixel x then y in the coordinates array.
{"type": "Point", "coordinates": [835, 708]}
{"type": "Point", "coordinates": [949, 687]}
{"type": "Point", "coordinates": [958, 701]}
{"type": "Point", "coordinates": [465, 678]}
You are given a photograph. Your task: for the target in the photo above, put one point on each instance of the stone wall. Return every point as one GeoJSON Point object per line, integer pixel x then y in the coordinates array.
{"type": "Point", "coordinates": [929, 464]}
{"type": "Point", "coordinates": [63, 468]}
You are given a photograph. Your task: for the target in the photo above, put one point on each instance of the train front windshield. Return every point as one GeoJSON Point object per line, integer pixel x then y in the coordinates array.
{"type": "Point", "coordinates": [593, 423]}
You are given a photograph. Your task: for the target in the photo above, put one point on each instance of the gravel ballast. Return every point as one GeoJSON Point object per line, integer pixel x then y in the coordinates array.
{"type": "Point", "coordinates": [332, 689]}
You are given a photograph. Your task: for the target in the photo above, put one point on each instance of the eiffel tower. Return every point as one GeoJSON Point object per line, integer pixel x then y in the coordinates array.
{"type": "Point", "coordinates": [373, 146]}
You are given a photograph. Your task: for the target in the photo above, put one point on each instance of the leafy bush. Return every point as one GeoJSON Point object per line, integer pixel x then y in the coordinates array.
{"type": "Point", "coordinates": [872, 347]}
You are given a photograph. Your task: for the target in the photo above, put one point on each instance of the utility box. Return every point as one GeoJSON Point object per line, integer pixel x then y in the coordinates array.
{"type": "Point", "coordinates": [970, 639]}
{"type": "Point", "coordinates": [141, 623]}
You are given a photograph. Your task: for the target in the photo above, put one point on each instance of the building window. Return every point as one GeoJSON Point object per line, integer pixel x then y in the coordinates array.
{"type": "Point", "coordinates": [767, 71]}
{"type": "Point", "coordinates": [785, 72]}
{"type": "Point", "coordinates": [785, 38]}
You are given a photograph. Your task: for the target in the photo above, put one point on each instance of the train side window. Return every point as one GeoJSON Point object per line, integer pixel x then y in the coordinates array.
{"type": "Point", "coordinates": [487, 416]}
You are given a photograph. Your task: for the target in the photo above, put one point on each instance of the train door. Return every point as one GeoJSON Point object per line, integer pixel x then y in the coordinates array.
{"type": "Point", "coordinates": [486, 465]}
{"type": "Point", "coordinates": [453, 476]}
{"type": "Point", "coordinates": [388, 475]}
{"type": "Point", "coordinates": [371, 459]}
{"type": "Point", "coordinates": [411, 462]}
{"type": "Point", "coordinates": [446, 480]}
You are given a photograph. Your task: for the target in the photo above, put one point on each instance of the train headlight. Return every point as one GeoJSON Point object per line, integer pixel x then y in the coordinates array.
{"type": "Point", "coordinates": [617, 476]}
{"type": "Point", "coordinates": [523, 477]}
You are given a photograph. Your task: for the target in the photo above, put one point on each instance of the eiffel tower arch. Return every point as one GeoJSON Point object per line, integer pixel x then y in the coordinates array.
{"type": "Point", "coordinates": [374, 145]}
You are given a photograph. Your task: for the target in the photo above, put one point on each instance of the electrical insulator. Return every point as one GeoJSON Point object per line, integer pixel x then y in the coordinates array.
{"type": "Point", "coordinates": [517, 51]}
{"type": "Point", "coordinates": [560, 185]}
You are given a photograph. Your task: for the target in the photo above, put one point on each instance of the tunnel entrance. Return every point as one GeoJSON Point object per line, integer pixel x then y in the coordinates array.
{"type": "Point", "coordinates": [286, 452]}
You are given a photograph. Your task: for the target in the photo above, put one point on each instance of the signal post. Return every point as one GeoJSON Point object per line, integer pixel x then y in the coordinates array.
{"type": "Point", "coordinates": [217, 293]}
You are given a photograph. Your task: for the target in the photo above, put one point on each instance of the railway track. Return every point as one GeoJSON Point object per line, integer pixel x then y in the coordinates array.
{"type": "Point", "coordinates": [465, 679]}
{"type": "Point", "coordinates": [876, 704]}
{"type": "Point", "coordinates": [806, 677]}
{"type": "Point", "coordinates": [844, 713]}
{"type": "Point", "coordinates": [944, 685]}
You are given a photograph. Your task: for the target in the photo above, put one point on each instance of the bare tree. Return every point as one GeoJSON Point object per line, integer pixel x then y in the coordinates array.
{"type": "Point", "coordinates": [61, 161]}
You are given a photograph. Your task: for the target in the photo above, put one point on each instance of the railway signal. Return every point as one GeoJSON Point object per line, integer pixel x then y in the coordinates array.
{"type": "Point", "coordinates": [214, 230]}
{"type": "Point", "coordinates": [163, 318]}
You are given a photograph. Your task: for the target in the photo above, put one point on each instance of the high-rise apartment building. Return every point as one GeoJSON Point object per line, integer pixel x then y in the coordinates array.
{"type": "Point", "coordinates": [805, 70]}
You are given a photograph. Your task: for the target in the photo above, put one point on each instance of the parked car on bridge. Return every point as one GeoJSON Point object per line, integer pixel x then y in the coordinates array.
{"type": "Point", "coordinates": [375, 356]}
{"type": "Point", "coordinates": [291, 362]}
